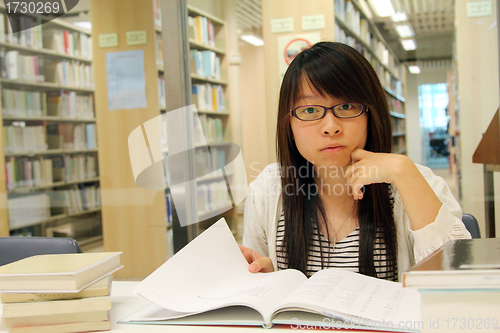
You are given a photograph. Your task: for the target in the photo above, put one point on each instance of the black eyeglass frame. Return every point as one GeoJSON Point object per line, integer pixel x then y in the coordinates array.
{"type": "Point", "coordinates": [293, 112]}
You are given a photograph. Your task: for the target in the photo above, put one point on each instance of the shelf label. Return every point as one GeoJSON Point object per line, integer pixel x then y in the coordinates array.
{"type": "Point", "coordinates": [479, 8]}
{"type": "Point", "coordinates": [282, 25]}
{"type": "Point", "coordinates": [313, 22]}
{"type": "Point", "coordinates": [108, 40]}
{"type": "Point", "coordinates": [136, 37]}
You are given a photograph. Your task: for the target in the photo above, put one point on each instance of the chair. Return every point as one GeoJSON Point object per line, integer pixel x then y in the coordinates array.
{"type": "Point", "coordinates": [471, 225]}
{"type": "Point", "coordinates": [16, 248]}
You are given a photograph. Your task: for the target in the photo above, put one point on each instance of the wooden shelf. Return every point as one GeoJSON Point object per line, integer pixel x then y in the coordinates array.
{"type": "Point", "coordinates": [44, 85]}
{"type": "Point", "coordinates": [49, 118]}
{"type": "Point", "coordinates": [214, 113]}
{"type": "Point", "coordinates": [393, 94]}
{"type": "Point", "coordinates": [397, 115]}
{"type": "Point", "coordinates": [56, 184]}
{"type": "Point", "coordinates": [192, 11]}
{"type": "Point", "coordinates": [351, 33]}
{"type": "Point", "coordinates": [87, 241]}
{"type": "Point", "coordinates": [207, 79]}
{"type": "Point", "coordinates": [58, 217]}
{"type": "Point", "coordinates": [217, 211]}
{"type": "Point", "coordinates": [51, 152]}
{"type": "Point", "coordinates": [209, 179]}
{"type": "Point", "coordinates": [45, 52]}
{"type": "Point", "coordinates": [375, 30]}
{"type": "Point", "coordinates": [200, 46]}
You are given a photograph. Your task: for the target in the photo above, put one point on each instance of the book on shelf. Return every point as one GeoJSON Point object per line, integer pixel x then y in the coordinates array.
{"type": "Point", "coordinates": [201, 30]}
{"type": "Point", "coordinates": [161, 91]}
{"type": "Point", "coordinates": [212, 196]}
{"type": "Point", "coordinates": [205, 64]}
{"type": "Point", "coordinates": [72, 73]}
{"type": "Point", "coordinates": [19, 139]}
{"type": "Point", "coordinates": [208, 97]}
{"type": "Point", "coordinates": [70, 105]}
{"type": "Point", "coordinates": [29, 30]}
{"type": "Point", "coordinates": [157, 12]}
{"type": "Point", "coordinates": [23, 103]}
{"type": "Point", "coordinates": [20, 217]}
{"type": "Point", "coordinates": [189, 289]}
{"type": "Point", "coordinates": [2, 27]}
{"type": "Point", "coordinates": [159, 49]}
{"type": "Point", "coordinates": [83, 227]}
{"type": "Point", "coordinates": [68, 42]}
{"type": "Point", "coordinates": [458, 264]}
{"type": "Point", "coordinates": [57, 272]}
{"type": "Point", "coordinates": [28, 172]}
{"type": "Point", "coordinates": [17, 66]}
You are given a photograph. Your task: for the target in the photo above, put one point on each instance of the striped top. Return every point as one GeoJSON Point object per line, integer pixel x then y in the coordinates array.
{"type": "Point", "coordinates": [344, 255]}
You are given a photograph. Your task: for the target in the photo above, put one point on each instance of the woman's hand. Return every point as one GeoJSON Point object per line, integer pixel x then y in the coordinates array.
{"type": "Point", "coordinates": [370, 168]}
{"type": "Point", "coordinates": [421, 203]}
{"type": "Point", "coordinates": [257, 262]}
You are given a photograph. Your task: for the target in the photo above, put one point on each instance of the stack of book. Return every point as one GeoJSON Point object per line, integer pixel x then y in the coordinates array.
{"type": "Point", "coordinates": [459, 285]}
{"type": "Point", "coordinates": [58, 293]}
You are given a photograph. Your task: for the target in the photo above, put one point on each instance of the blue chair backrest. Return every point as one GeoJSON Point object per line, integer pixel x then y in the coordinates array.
{"type": "Point", "coordinates": [471, 224]}
{"type": "Point", "coordinates": [17, 248]}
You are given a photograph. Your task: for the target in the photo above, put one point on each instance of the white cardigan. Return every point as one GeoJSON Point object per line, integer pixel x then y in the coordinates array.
{"type": "Point", "coordinates": [263, 207]}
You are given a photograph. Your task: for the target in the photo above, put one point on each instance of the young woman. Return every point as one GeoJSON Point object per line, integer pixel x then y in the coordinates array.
{"type": "Point", "coordinates": [338, 197]}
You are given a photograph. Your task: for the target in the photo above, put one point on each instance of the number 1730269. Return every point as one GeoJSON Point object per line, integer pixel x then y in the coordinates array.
{"type": "Point", "coordinates": [32, 7]}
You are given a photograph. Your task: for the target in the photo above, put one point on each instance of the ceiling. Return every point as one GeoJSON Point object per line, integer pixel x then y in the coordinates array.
{"type": "Point", "coordinates": [249, 14]}
{"type": "Point", "coordinates": [433, 23]}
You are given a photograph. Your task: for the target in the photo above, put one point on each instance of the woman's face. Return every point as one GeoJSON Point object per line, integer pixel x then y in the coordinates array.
{"type": "Point", "coordinates": [327, 142]}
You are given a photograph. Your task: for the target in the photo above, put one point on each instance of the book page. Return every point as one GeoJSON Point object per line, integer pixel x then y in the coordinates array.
{"type": "Point", "coordinates": [211, 272]}
{"type": "Point", "coordinates": [235, 315]}
{"type": "Point", "coordinates": [342, 294]}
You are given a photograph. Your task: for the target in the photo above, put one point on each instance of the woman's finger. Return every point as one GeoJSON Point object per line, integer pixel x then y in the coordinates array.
{"type": "Point", "coordinates": [263, 264]}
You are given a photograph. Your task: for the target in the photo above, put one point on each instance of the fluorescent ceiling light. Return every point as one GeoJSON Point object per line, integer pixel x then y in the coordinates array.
{"type": "Point", "coordinates": [85, 25]}
{"type": "Point", "coordinates": [414, 69]}
{"type": "Point", "coordinates": [405, 30]}
{"type": "Point", "coordinates": [409, 44]}
{"type": "Point", "coordinates": [251, 39]}
{"type": "Point", "coordinates": [383, 7]}
{"type": "Point", "coordinates": [399, 17]}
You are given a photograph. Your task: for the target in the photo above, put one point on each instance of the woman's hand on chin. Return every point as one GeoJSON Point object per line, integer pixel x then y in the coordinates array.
{"type": "Point", "coordinates": [370, 168]}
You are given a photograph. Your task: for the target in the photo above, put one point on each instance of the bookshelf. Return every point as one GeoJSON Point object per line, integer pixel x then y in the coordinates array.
{"type": "Point", "coordinates": [353, 27]}
{"type": "Point", "coordinates": [48, 145]}
{"type": "Point", "coordinates": [203, 81]}
{"type": "Point", "coordinates": [453, 112]}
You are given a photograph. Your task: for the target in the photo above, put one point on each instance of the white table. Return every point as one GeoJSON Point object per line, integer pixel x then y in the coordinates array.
{"type": "Point", "coordinates": [125, 303]}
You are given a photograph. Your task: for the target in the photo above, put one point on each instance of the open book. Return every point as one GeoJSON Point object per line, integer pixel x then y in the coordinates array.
{"type": "Point", "coordinates": [208, 283]}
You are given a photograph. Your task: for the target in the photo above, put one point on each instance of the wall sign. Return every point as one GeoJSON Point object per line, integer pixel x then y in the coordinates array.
{"type": "Point", "coordinates": [282, 25]}
{"type": "Point", "coordinates": [313, 22]}
{"type": "Point", "coordinates": [136, 37]}
{"type": "Point", "coordinates": [108, 40]}
{"type": "Point", "coordinates": [479, 8]}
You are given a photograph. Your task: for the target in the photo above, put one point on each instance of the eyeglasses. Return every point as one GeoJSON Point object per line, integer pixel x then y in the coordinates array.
{"type": "Point", "coordinates": [316, 112]}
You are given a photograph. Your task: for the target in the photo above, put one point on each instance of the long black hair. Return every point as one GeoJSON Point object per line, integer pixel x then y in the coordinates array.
{"type": "Point", "coordinates": [339, 71]}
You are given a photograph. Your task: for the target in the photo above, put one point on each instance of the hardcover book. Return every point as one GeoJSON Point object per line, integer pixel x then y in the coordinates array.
{"type": "Point", "coordinates": [57, 273]}
{"type": "Point", "coordinates": [208, 283]}
{"type": "Point", "coordinates": [458, 264]}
